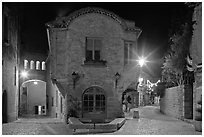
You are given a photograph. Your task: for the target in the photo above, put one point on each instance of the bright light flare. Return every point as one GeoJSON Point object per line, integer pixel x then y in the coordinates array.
{"type": "Point", "coordinates": [35, 82]}
{"type": "Point", "coordinates": [140, 80]}
{"type": "Point", "coordinates": [24, 74]}
{"type": "Point", "coordinates": [141, 61]}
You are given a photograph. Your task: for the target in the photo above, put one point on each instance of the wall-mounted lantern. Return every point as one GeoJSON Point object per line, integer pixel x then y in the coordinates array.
{"type": "Point", "coordinates": [117, 76]}
{"type": "Point", "coordinates": [75, 77]}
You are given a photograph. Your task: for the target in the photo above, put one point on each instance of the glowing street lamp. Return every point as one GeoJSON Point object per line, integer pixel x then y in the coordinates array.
{"type": "Point", "coordinates": [24, 74]}
{"type": "Point", "coordinates": [141, 61]}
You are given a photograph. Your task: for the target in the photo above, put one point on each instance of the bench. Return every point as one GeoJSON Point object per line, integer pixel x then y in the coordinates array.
{"type": "Point", "coordinates": [75, 123]}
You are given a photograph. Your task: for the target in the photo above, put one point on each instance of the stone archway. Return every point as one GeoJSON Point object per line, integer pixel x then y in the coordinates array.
{"type": "Point", "coordinates": [94, 104]}
{"type": "Point", "coordinates": [32, 98]}
{"type": "Point", "coordinates": [132, 97]}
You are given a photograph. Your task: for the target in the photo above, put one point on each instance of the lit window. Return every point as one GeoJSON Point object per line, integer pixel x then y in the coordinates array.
{"type": "Point", "coordinates": [43, 65]}
{"type": "Point", "coordinates": [25, 64]}
{"type": "Point", "coordinates": [37, 65]}
{"type": "Point", "coordinates": [32, 64]}
{"type": "Point", "coordinates": [93, 49]}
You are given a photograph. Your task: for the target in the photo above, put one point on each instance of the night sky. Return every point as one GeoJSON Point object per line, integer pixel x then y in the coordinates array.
{"type": "Point", "coordinates": [153, 18]}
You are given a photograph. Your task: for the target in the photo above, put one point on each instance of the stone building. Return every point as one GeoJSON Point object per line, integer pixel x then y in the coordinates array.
{"type": "Point", "coordinates": [10, 62]}
{"type": "Point", "coordinates": [196, 53]}
{"type": "Point", "coordinates": [91, 62]}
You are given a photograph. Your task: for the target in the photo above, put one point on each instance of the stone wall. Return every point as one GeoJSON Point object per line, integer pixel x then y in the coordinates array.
{"type": "Point", "coordinates": [10, 64]}
{"type": "Point", "coordinates": [172, 102]}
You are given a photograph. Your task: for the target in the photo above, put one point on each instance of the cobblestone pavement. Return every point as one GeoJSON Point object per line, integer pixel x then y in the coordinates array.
{"type": "Point", "coordinates": [36, 126]}
{"type": "Point", "coordinates": [152, 122]}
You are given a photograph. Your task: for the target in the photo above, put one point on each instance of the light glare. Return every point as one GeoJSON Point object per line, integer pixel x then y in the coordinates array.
{"type": "Point", "coordinates": [24, 74]}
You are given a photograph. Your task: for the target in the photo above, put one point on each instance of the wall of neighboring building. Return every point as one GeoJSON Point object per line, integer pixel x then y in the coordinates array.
{"type": "Point", "coordinates": [196, 53]}
{"type": "Point", "coordinates": [172, 103]}
{"type": "Point", "coordinates": [10, 63]}
{"type": "Point", "coordinates": [55, 100]}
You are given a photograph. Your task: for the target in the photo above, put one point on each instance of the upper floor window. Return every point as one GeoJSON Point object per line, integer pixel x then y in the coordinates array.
{"type": "Point", "coordinates": [128, 52]}
{"type": "Point", "coordinates": [37, 65]}
{"type": "Point", "coordinates": [32, 64]}
{"type": "Point", "coordinates": [43, 65]}
{"type": "Point", "coordinates": [25, 64]}
{"type": "Point", "coordinates": [93, 49]}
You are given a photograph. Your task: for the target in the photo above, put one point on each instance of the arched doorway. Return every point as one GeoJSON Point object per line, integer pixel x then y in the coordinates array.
{"type": "Point", "coordinates": [33, 98]}
{"type": "Point", "coordinates": [132, 97]}
{"type": "Point", "coordinates": [94, 103]}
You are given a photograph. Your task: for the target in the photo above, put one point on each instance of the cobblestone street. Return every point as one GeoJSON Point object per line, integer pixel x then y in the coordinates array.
{"type": "Point", "coordinates": [150, 122]}
{"type": "Point", "coordinates": [39, 126]}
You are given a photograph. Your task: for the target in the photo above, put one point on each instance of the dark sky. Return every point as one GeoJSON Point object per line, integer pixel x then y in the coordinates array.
{"type": "Point", "coordinates": [153, 18]}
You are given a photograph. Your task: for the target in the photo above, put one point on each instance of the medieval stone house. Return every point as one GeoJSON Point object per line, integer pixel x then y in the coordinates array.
{"type": "Point", "coordinates": [91, 62]}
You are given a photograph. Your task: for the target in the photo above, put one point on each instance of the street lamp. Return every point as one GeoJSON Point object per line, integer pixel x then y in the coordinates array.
{"type": "Point", "coordinates": [75, 77]}
{"type": "Point", "coordinates": [142, 61]}
{"type": "Point", "coordinates": [24, 74]}
{"type": "Point", "coordinates": [117, 76]}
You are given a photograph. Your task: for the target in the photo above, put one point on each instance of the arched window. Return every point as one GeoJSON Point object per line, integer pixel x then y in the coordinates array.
{"type": "Point", "coordinates": [94, 100]}
{"type": "Point", "coordinates": [37, 65]}
{"type": "Point", "coordinates": [32, 64]}
{"type": "Point", "coordinates": [43, 65]}
{"type": "Point", "coordinates": [25, 64]}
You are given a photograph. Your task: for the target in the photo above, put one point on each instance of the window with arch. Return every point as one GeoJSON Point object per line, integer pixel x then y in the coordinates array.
{"type": "Point", "coordinates": [25, 64]}
{"type": "Point", "coordinates": [37, 65]}
{"type": "Point", "coordinates": [32, 64]}
{"type": "Point", "coordinates": [43, 65]}
{"type": "Point", "coordinates": [94, 100]}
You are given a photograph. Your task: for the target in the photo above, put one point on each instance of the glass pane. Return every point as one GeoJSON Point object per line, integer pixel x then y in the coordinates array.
{"type": "Point", "coordinates": [89, 55]}
{"type": "Point", "coordinates": [85, 103]}
{"type": "Point", "coordinates": [98, 97]}
{"type": "Point", "coordinates": [85, 97]}
{"type": "Point", "coordinates": [103, 97]}
{"type": "Point", "coordinates": [98, 103]}
{"type": "Point", "coordinates": [97, 55]}
{"type": "Point", "coordinates": [97, 44]}
{"type": "Point", "coordinates": [90, 97]}
{"type": "Point", "coordinates": [89, 44]}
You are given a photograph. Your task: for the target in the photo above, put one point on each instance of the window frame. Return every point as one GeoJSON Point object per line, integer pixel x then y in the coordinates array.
{"type": "Point", "coordinates": [128, 51]}
{"type": "Point", "coordinates": [94, 92]}
{"type": "Point", "coordinates": [93, 54]}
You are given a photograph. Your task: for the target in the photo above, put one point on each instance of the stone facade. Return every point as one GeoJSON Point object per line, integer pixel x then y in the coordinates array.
{"type": "Point", "coordinates": [172, 103]}
{"type": "Point", "coordinates": [10, 63]}
{"type": "Point", "coordinates": [196, 53]}
{"type": "Point", "coordinates": [68, 43]}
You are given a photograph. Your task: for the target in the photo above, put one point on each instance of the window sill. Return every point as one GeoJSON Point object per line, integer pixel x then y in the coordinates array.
{"type": "Point", "coordinates": [100, 63]}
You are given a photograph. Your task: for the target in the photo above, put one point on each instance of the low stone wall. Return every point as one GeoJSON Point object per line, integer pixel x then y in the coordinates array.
{"type": "Point", "coordinates": [172, 103]}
